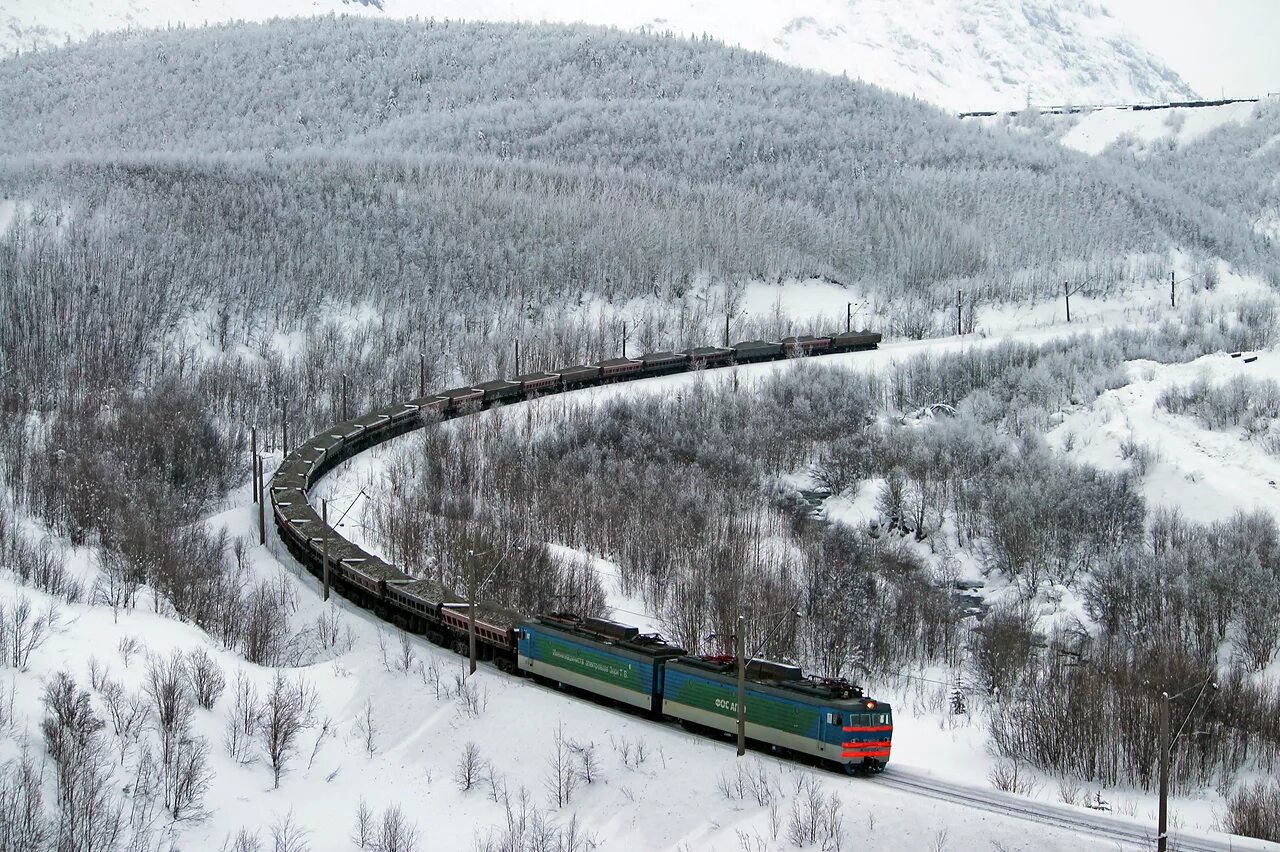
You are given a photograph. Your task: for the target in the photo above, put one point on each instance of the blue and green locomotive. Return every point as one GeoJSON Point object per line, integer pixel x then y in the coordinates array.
{"type": "Point", "coordinates": [823, 718]}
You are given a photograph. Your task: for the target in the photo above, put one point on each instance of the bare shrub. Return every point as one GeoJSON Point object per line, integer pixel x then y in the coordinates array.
{"type": "Point", "coordinates": [1254, 811]}
{"type": "Point", "coordinates": [1009, 777]}
{"type": "Point", "coordinates": [128, 646]}
{"type": "Point", "coordinates": [588, 763]}
{"type": "Point", "coordinates": [244, 841]}
{"type": "Point", "coordinates": [815, 818]}
{"type": "Point", "coordinates": [472, 699]}
{"type": "Point", "coordinates": [205, 678]}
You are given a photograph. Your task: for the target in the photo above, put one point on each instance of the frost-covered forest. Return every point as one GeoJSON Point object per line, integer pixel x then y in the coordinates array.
{"type": "Point", "coordinates": [687, 495]}
{"type": "Point", "coordinates": [272, 226]}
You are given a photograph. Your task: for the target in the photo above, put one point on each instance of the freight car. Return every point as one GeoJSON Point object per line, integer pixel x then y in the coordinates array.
{"type": "Point", "coordinates": [827, 720]}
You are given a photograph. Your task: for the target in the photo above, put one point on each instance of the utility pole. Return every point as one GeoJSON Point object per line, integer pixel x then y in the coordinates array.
{"type": "Point", "coordinates": [344, 396]}
{"type": "Point", "coordinates": [848, 316]}
{"type": "Point", "coordinates": [517, 372]}
{"type": "Point", "coordinates": [624, 338]}
{"type": "Point", "coordinates": [324, 547]}
{"type": "Point", "coordinates": [1162, 829]}
{"type": "Point", "coordinates": [284, 424]}
{"type": "Point", "coordinates": [1173, 302]}
{"type": "Point", "coordinates": [1066, 294]}
{"type": "Point", "coordinates": [422, 374]}
{"type": "Point", "coordinates": [471, 612]}
{"type": "Point", "coordinates": [742, 686]}
{"type": "Point", "coordinates": [253, 455]}
{"type": "Point", "coordinates": [726, 331]}
{"type": "Point", "coordinates": [262, 499]}
{"type": "Point", "coordinates": [959, 303]}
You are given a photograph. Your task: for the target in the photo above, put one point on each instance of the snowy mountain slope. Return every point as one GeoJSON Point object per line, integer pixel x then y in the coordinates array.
{"type": "Point", "coordinates": [990, 54]}
{"type": "Point", "coordinates": [1140, 132]}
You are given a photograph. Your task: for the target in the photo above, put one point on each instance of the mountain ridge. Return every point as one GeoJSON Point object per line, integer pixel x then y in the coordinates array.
{"type": "Point", "coordinates": [991, 54]}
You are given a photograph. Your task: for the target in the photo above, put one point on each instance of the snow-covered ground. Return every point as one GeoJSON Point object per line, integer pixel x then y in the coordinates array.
{"type": "Point", "coordinates": [1210, 475]}
{"type": "Point", "coordinates": [963, 56]}
{"type": "Point", "coordinates": [669, 798]}
{"type": "Point", "coordinates": [1139, 131]}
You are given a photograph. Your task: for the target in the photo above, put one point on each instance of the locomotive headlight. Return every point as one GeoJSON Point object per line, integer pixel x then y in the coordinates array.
{"type": "Point", "coordinates": [870, 705]}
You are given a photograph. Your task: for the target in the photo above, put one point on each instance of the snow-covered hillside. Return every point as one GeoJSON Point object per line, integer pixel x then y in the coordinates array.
{"type": "Point", "coordinates": [1138, 132]}
{"type": "Point", "coordinates": [992, 54]}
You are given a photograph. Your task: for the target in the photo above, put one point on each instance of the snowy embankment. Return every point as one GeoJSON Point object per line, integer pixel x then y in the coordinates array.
{"type": "Point", "coordinates": [393, 717]}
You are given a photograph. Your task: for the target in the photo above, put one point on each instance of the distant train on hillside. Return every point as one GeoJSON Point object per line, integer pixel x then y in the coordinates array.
{"type": "Point", "coordinates": [829, 720]}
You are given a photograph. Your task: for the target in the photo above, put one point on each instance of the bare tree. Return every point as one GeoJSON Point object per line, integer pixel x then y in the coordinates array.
{"type": "Point", "coordinates": [561, 777]}
{"type": "Point", "coordinates": [367, 729]}
{"type": "Point", "coordinates": [243, 720]}
{"type": "Point", "coordinates": [288, 836]}
{"type": "Point", "coordinates": [362, 832]}
{"type": "Point", "coordinates": [287, 710]}
{"type": "Point", "coordinates": [89, 815]}
{"type": "Point", "coordinates": [468, 769]}
{"type": "Point", "coordinates": [244, 841]}
{"type": "Point", "coordinates": [588, 768]}
{"type": "Point", "coordinates": [396, 833]}
{"type": "Point", "coordinates": [127, 714]}
{"type": "Point", "coordinates": [22, 631]}
{"type": "Point", "coordinates": [23, 824]}
{"type": "Point", "coordinates": [187, 776]}
{"type": "Point", "coordinates": [128, 646]}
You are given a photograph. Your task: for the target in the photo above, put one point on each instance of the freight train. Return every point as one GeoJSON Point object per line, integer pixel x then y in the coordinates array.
{"type": "Point", "coordinates": [829, 720]}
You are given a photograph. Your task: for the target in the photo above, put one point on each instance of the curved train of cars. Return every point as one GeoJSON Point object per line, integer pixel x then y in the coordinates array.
{"type": "Point", "coordinates": [830, 720]}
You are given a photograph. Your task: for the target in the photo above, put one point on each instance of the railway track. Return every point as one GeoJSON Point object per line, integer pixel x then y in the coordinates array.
{"type": "Point", "coordinates": [1102, 826]}
{"type": "Point", "coordinates": [371, 583]}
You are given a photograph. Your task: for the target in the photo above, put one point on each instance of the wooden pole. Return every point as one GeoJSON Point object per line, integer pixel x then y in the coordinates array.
{"type": "Point", "coordinates": [726, 331]}
{"type": "Point", "coordinates": [1066, 294]}
{"type": "Point", "coordinates": [517, 372]}
{"type": "Point", "coordinates": [742, 686]}
{"type": "Point", "coordinates": [344, 396]}
{"type": "Point", "coordinates": [1162, 830]}
{"type": "Point", "coordinates": [262, 499]}
{"type": "Point", "coordinates": [624, 338]}
{"type": "Point", "coordinates": [324, 519]}
{"type": "Point", "coordinates": [422, 374]}
{"type": "Point", "coordinates": [284, 425]}
{"type": "Point", "coordinates": [253, 455]}
{"type": "Point", "coordinates": [471, 613]}
{"type": "Point", "coordinates": [959, 314]}
{"type": "Point", "coordinates": [848, 316]}
{"type": "Point", "coordinates": [1173, 302]}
